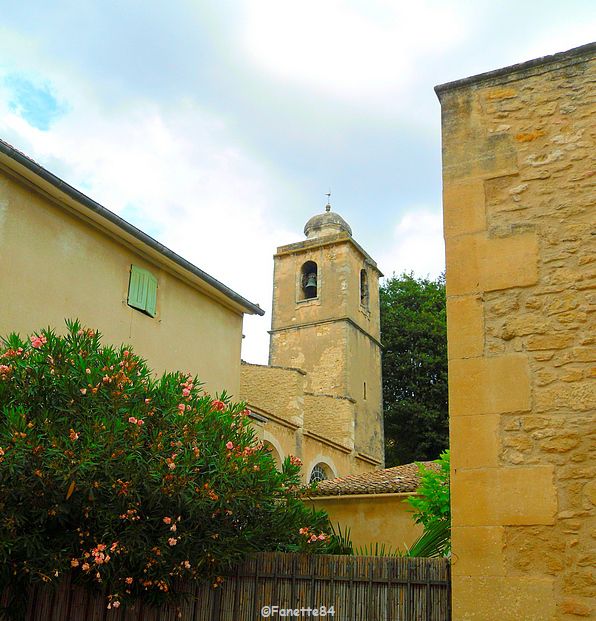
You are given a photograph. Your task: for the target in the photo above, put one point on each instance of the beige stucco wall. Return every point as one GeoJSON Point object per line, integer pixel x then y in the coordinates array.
{"type": "Point", "coordinates": [519, 215]}
{"type": "Point", "coordinates": [55, 265]}
{"type": "Point", "coordinates": [375, 518]}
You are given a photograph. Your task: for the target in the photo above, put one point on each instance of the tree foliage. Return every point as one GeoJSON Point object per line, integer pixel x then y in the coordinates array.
{"type": "Point", "coordinates": [414, 335]}
{"type": "Point", "coordinates": [432, 508]}
{"type": "Point", "coordinates": [432, 502]}
{"type": "Point", "coordinates": [129, 481]}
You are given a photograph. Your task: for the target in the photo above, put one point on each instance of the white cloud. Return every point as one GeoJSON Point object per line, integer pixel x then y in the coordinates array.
{"type": "Point", "coordinates": [176, 174]}
{"type": "Point", "coordinates": [356, 51]}
{"type": "Point", "coordinates": [417, 244]}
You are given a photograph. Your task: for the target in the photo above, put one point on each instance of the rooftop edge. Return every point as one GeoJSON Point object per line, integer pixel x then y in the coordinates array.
{"type": "Point", "coordinates": [84, 200]}
{"type": "Point", "coordinates": [573, 55]}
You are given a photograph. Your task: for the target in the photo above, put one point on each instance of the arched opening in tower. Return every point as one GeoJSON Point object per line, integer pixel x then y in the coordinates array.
{"type": "Point", "coordinates": [363, 288]}
{"type": "Point", "coordinates": [309, 280]}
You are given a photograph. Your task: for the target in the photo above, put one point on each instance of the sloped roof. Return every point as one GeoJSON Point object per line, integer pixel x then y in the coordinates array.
{"type": "Point", "coordinates": [399, 479]}
{"type": "Point", "coordinates": [20, 163]}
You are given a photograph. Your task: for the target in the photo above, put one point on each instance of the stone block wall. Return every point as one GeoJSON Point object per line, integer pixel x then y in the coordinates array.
{"type": "Point", "coordinates": [278, 390]}
{"type": "Point", "coordinates": [520, 224]}
{"type": "Point", "coordinates": [313, 426]}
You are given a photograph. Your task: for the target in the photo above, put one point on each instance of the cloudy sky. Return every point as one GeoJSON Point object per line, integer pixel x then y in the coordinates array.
{"type": "Point", "coordinates": [218, 126]}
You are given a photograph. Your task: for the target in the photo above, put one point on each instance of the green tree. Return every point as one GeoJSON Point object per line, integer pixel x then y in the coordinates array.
{"type": "Point", "coordinates": [413, 331]}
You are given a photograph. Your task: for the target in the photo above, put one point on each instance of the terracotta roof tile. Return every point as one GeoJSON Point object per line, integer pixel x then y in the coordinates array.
{"type": "Point", "coordinates": [394, 480]}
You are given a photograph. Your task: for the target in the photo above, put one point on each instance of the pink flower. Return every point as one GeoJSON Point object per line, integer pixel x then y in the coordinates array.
{"type": "Point", "coordinates": [167, 520]}
{"type": "Point", "coordinates": [218, 405]}
{"type": "Point", "coordinates": [140, 422]}
{"type": "Point", "coordinates": [229, 446]}
{"type": "Point", "coordinates": [172, 541]}
{"type": "Point", "coordinates": [181, 408]}
{"type": "Point", "coordinates": [38, 341]}
{"type": "Point", "coordinates": [116, 604]}
{"type": "Point", "coordinates": [85, 566]}
{"type": "Point", "coordinates": [128, 580]}
{"type": "Point", "coordinates": [132, 419]}
{"type": "Point", "coordinates": [295, 461]}
{"type": "Point", "coordinates": [321, 537]}
{"type": "Point", "coordinates": [73, 435]}
{"type": "Point", "coordinates": [173, 528]}
{"type": "Point", "coordinates": [171, 465]}
{"type": "Point", "coordinates": [186, 392]}
{"type": "Point", "coordinates": [186, 564]}
{"type": "Point", "coordinates": [83, 391]}
{"type": "Point", "coordinates": [74, 563]}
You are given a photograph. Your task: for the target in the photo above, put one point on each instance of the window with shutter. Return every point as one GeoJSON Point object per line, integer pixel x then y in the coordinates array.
{"type": "Point", "coordinates": [142, 291]}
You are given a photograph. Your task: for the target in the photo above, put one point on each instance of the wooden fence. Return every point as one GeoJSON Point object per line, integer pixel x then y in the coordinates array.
{"type": "Point", "coordinates": [350, 588]}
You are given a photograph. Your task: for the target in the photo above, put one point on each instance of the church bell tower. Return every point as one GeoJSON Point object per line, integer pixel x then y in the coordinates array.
{"type": "Point", "coordinates": [326, 321]}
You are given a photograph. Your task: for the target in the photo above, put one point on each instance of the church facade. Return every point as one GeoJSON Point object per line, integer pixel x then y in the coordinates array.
{"type": "Point", "coordinates": [320, 396]}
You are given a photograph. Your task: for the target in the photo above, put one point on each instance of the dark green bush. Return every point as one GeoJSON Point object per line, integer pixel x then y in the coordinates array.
{"type": "Point", "coordinates": [129, 481]}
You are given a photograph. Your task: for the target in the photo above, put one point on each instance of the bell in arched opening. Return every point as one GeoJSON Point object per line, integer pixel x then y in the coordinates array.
{"type": "Point", "coordinates": [309, 280]}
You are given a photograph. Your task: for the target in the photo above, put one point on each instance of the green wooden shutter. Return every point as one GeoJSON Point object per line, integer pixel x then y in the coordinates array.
{"type": "Point", "coordinates": [151, 299]}
{"type": "Point", "coordinates": [142, 290]}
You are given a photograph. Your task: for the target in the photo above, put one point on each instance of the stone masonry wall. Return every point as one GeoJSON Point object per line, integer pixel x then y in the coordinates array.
{"type": "Point", "coordinates": [277, 390]}
{"type": "Point", "coordinates": [519, 218]}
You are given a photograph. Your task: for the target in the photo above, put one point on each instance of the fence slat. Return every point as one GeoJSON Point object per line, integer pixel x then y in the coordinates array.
{"type": "Point", "coordinates": [359, 589]}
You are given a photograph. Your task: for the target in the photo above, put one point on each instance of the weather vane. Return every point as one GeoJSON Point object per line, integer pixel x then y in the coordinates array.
{"type": "Point", "coordinates": [328, 205]}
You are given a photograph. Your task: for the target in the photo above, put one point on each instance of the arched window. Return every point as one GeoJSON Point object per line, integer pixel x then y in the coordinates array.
{"type": "Point", "coordinates": [309, 280]}
{"type": "Point", "coordinates": [363, 288]}
{"type": "Point", "coordinates": [274, 453]}
{"type": "Point", "coordinates": [320, 472]}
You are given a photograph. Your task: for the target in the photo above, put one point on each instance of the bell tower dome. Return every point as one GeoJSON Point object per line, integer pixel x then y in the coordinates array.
{"type": "Point", "coordinates": [326, 322]}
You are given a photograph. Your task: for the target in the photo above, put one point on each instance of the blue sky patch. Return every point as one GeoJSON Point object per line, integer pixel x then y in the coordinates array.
{"type": "Point", "coordinates": [135, 215]}
{"type": "Point", "coordinates": [32, 101]}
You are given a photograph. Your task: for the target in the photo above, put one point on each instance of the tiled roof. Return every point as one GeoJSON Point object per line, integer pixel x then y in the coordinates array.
{"type": "Point", "coordinates": [389, 481]}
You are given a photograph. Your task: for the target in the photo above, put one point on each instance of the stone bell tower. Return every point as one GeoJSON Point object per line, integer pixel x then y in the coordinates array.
{"type": "Point", "coordinates": [326, 321]}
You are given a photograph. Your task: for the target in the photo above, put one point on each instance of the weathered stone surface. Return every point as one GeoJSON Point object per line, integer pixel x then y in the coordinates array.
{"type": "Point", "coordinates": [526, 256]}
{"type": "Point", "coordinates": [576, 607]}
{"type": "Point", "coordinates": [484, 545]}
{"type": "Point", "coordinates": [489, 385]}
{"type": "Point", "coordinates": [481, 431]}
{"type": "Point", "coordinates": [504, 496]}
{"type": "Point", "coordinates": [561, 444]}
{"type": "Point", "coordinates": [551, 341]}
{"type": "Point", "coordinates": [465, 331]}
{"type": "Point", "coordinates": [492, 598]}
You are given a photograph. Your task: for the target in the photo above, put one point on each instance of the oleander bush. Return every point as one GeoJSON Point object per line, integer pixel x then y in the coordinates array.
{"type": "Point", "coordinates": [129, 481]}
